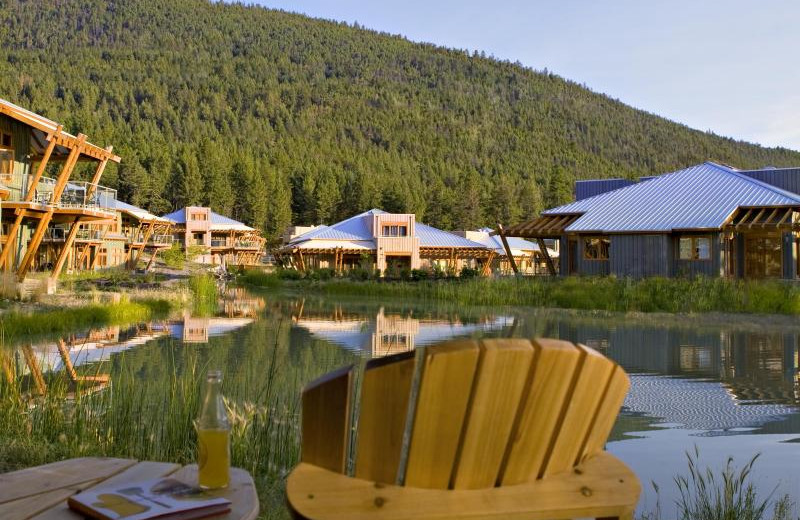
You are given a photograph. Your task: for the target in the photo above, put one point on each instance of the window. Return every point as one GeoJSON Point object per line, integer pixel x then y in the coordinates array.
{"type": "Point", "coordinates": [198, 216]}
{"type": "Point", "coordinates": [6, 156]}
{"type": "Point", "coordinates": [199, 239]}
{"type": "Point", "coordinates": [395, 230]}
{"type": "Point", "coordinates": [695, 248]}
{"type": "Point", "coordinates": [595, 248]}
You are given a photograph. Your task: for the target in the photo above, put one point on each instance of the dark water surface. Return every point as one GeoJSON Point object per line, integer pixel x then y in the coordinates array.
{"type": "Point", "coordinates": [727, 388]}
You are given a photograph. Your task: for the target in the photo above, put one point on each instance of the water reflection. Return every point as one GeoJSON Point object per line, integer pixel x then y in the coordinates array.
{"type": "Point", "coordinates": [387, 332]}
{"type": "Point", "coordinates": [731, 388]}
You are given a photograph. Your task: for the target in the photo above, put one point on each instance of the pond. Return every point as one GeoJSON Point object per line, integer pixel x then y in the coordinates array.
{"type": "Point", "coordinates": [728, 388]}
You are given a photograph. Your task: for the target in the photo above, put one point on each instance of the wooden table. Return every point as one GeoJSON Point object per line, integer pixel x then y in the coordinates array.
{"type": "Point", "coordinates": [41, 492]}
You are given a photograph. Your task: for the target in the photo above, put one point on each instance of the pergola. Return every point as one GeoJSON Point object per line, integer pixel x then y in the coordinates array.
{"type": "Point", "coordinates": [539, 228]}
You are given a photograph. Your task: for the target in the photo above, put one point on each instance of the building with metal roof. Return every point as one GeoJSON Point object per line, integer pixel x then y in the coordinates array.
{"type": "Point", "coordinates": [527, 255]}
{"type": "Point", "coordinates": [384, 241]}
{"type": "Point", "coordinates": [709, 219]}
{"type": "Point", "coordinates": [211, 238]}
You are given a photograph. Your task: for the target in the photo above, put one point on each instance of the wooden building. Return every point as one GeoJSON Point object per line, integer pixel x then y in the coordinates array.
{"type": "Point", "coordinates": [709, 219]}
{"type": "Point", "coordinates": [33, 203]}
{"type": "Point", "coordinates": [211, 238]}
{"type": "Point", "coordinates": [383, 241]}
{"type": "Point", "coordinates": [527, 255]}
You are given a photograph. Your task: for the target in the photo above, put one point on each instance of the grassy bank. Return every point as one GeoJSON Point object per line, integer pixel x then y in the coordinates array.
{"type": "Point", "coordinates": [16, 324]}
{"type": "Point", "coordinates": [148, 414]}
{"type": "Point", "coordinates": [84, 311]}
{"type": "Point", "coordinates": [606, 293]}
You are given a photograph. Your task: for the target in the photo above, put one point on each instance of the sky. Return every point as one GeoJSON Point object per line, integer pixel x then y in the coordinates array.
{"type": "Point", "coordinates": [732, 66]}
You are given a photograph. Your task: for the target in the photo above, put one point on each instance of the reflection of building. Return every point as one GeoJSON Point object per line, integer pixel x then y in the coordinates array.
{"type": "Point", "coordinates": [390, 333]}
{"type": "Point", "coordinates": [707, 380]}
{"type": "Point", "coordinates": [238, 302]}
{"type": "Point", "coordinates": [67, 354]}
{"type": "Point", "coordinates": [199, 330]}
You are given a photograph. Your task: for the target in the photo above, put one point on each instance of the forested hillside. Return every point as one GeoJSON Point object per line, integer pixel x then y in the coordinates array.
{"type": "Point", "coordinates": [277, 118]}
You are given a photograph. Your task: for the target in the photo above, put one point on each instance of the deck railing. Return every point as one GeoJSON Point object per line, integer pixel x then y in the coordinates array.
{"type": "Point", "coordinates": [78, 195]}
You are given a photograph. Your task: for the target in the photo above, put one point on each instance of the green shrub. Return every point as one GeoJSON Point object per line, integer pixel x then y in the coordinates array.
{"type": "Point", "coordinates": [468, 272]}
{"type": "Point", "coordinates": [419, 274]}
{"type": "Point", "coordinates": [174, 256]}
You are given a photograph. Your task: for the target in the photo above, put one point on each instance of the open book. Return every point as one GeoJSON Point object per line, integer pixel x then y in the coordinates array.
{"type": "Point", "coordinates": [164, 498]}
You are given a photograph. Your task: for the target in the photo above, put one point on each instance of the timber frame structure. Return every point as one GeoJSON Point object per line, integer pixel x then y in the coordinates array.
{"type": "Point", "coordinates": [705, 220]}
{"type": "Point", "coordinates": [30, 144]}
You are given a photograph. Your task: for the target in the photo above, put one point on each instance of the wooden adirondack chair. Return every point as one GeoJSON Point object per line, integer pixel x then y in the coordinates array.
{"type": "Point", "coordinates": [504, 428]}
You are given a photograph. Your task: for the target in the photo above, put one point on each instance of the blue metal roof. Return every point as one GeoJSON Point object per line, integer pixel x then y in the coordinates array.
{"type": "Point", "coordinates": [357, 228]}
{"type": "Point", "coordinates": [699, 197]}
{"type": "Point", "coordinates": [179, 217]}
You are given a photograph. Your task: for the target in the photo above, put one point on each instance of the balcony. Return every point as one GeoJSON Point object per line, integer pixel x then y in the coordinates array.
{"type": "Point", "coordinates": [75, 195]}
{"type": "Point", "coordinates": [235, 244]}
{"type": "Point", "coordinates": [160, 240]}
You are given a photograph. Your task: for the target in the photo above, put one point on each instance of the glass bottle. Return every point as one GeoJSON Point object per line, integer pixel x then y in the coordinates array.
{"type": "Point", "coordinates": [213, 436]}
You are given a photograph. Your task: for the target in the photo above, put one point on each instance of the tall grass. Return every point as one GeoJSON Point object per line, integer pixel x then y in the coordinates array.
{"type": "Point", "coordinates": [594, 293]}
{"type": "Point", "coordinates": [729, 494]}
{"type": "Point", "coordinates": [151, 419]}
{"type": "Point", "coordinates": [205, 294]}
{"type": "Point", "coordinates": [24, 324]}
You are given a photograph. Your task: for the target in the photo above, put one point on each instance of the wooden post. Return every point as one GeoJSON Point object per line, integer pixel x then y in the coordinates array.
{"type": "Point", "coordinates": [42, 165]}
{"type": "Point", "coordinates": [83, 256]}
{"type": "Point", "coordinates": [33, 245]}
{"type": "Point", "coordinates": [147, 233]}
{"type": "Point", "coordinates": [509, 255]}
{"type": "Point", "coordinates": [152, 259]}
{"type": "Point", "coordinates": [11, 241]}
{"type": "Point", "coordinates": [66, 171]}
{"type": "Point", "coordinates": [549, 261]}
{"type": "Point", "coordinates": [487, 266]}
{"type": "Point", "coordinates": [98, 173]}
{"type": "Point", "coordinates": [62, 255]}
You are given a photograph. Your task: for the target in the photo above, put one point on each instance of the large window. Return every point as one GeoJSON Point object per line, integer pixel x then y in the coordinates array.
{"type": "Point", "coordinates": [695, 248]}
{"type": "Point", "coordinates": [763, 257]}
{"type": "Point", "coordinates": [6, 156]}
{"type": "Point", "coordinates": [596, 248]}
{"type": "Point", "coordinates": [395, 230]}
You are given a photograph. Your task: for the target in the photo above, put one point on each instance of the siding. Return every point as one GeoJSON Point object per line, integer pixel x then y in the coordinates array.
{"type": "Point", "coordinates": [590, 267]}
{"type": "Point", "coordinates": [21, 135]}
{"type": "Point", "coordinates": [789, 257]}
{"type": "Point", "coordinates": [590, 188]}
{"type": "Point", "coordinates": [785, 178]}
{"type": "Point", "coordinates": [709, 267]}
{"type": "Point", "coordinates": [638, 256]}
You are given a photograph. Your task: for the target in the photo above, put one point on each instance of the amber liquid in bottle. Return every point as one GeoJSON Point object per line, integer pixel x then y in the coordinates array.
{"type": "Point", "coordinates": [213, 436]}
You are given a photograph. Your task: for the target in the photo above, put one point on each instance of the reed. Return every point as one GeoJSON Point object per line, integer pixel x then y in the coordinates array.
{"type": "Point", "coordinates": [152, 420]}
{"type": "Point", "coordinates": [677, 295]}
{"type": "Point", "coordinates": [22, 324]}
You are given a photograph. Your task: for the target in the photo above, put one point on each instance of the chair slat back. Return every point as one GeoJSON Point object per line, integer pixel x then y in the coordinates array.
{"type": "Point", "coordinates": [385, 393]}
{"type": "Point", "coordinates": [326, 420]}
{"type": "Point", "coordinates": [444, 391]}
{"type": "Point", "coordinates": [502, 375]}
{"type": "Point", "coordinates": [541, 410]}
{"type": "Point", "coordinates": [472, 415]}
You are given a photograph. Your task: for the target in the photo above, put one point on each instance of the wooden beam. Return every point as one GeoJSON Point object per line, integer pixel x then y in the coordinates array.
{"type": "Point", "coordinates": [33, 246]}
{"type": "Point", "coordinates": [770, 217]}
{"type": "Point", "coordinates": [84, 254]}
{"type": "Point", "coordinates": [42, 165]}
{"type": "Point", "coordinates": [509, 255]}
{"type": "Point", "coordinates": [11, 241]}
{"type": "Point", "coordinates": [756, 217]}
{"type": "Point", "coordinates": [66, 170]}
{"type": "Point", "coordinates": [62, 255]}
{"type": "Point", "coordinates": [147, 233]}
{"type": "Point", "coordinates": [152, 259]}
{"type": "Point", "coordinates": [98, 173]}
{"type": "Point", "coordinates": [551, 268]}
{"type": "Point", "coordinates": [487, 266]}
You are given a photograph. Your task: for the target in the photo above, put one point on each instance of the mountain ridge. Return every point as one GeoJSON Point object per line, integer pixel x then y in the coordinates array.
{"type": "Point", "coordinates": [276, 118]}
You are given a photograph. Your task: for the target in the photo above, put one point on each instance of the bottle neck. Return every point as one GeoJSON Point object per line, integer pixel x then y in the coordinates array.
{"type": "Point", "coordinates": [213, 414]}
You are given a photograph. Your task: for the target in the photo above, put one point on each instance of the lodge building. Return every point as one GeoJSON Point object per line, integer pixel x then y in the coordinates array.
{"type": "Point", "coordinates": [385, 241]}
{"type": "Point", "coordinates": [709, 219]}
